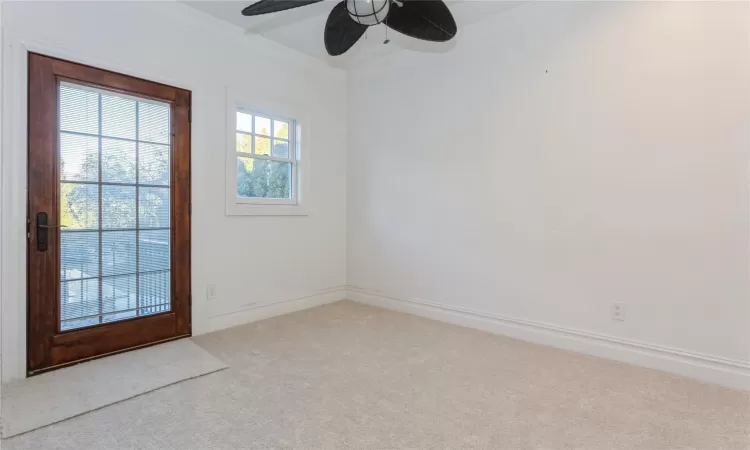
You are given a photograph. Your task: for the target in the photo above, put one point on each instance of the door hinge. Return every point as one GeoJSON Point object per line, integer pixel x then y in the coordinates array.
{"type": "Point", "coordinates": [190, 115]}
{"type": "Point", "coordinates": [28, 228]}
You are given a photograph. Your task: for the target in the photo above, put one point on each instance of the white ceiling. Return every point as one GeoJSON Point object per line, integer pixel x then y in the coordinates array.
{"type": "Point", "coordinates": [302, 28]}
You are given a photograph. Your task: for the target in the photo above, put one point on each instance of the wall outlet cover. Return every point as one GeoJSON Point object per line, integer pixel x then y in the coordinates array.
{"type": "Point", "coordinates": [618, 311]}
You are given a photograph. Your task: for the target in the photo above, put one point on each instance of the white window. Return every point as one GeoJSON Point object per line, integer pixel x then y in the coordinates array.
{"type": "Point", "coordinates": [263, 162]}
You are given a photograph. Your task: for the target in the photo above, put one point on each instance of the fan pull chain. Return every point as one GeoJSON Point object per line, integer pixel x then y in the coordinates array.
{"type": "Point", "coordinates": [399, 4]}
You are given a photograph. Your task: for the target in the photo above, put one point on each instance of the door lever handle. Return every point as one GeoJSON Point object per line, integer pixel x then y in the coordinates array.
{"type": "Point", "coordinates": [41, 231]}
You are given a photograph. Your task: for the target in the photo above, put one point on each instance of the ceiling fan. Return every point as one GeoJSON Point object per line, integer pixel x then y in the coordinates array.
{"type": "Point", "coordinates": [429, 20]}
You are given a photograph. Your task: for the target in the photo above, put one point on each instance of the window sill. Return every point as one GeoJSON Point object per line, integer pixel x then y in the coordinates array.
{"type": "Point", "coordinates": [245, 209]}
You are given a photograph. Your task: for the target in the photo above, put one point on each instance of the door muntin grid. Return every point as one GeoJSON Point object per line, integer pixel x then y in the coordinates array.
{"type": "Point", "coordinates": [115, 191]}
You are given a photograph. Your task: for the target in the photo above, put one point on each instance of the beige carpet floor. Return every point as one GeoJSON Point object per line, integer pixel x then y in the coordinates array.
{"type": "Point", "coordinates": [348, 376]}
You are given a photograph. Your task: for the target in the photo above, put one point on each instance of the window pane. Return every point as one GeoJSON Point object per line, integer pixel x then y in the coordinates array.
{"type": "Point", "coordinates": [79, 110]}
{"type": "Point", "coordinates": [154, 292]}
{"type": "Point", "coordinates": [118, 116]}
{"type": "Point", "coordinates": [79, 206]}
{"type": "Point", "coordinates": [262, 146]}
{"type": "Point", "coordinates": [153, 207]}
{"type": "Point", "coordinates": [118, 297]}
{"type": "Point", "coordinates": [118, 206]}
{"type": "Point", "coordinates": [118, 252]}
{"type": "Point", "coordinates": [154, 258]}
{"type": "Point", "coordinates": [259, 178]}
{"type": "Point", "coordinates": [118, 161]}
{"type": "Point", "coordinates": [262, 126]}
{"type": "Point", "coordinates": [79, 157]}
{"type": "Point", "coordinates": [78, 301]}
{"type": "Point", "coordinates": [281, 149]}
{"type": "Point", "coordinates": [153, 122]}
{"type": "Point", "coordinates": [280, 129]}
{"type": "Point", "coordinates": [153, 253]}
{"type": "Point", "coordinates": [79, 254]}
{"type": "Point", "coordinates": [153, 164]}
{"type": "Point", "coordinates": [244, 122]}
{"type": "Point", "coordinates": [244, 143]}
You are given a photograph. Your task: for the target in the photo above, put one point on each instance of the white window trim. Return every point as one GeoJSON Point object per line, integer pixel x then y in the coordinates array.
{"type": "Point", "coordinates": [238, 206]}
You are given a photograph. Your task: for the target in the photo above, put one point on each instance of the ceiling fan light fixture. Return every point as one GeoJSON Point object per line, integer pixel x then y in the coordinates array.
{"type": "Point", "coordinates": [429, 20]}
{"type": "Point", "coordinates": [368, 12]}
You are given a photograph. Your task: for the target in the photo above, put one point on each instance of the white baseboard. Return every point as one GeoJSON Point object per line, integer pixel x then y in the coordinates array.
{"type": "Point", "coordinates": [260, 311]}
{"type": "Point", "coordinates": [712, 369]}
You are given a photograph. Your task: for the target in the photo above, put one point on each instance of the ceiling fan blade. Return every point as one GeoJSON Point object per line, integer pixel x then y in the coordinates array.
{"type": "Point", "coordinates": [429, 20]}
{"type": "Point", "coordinates": [341, 31]}
{"type": "Point", "coordinates": [270, 6]}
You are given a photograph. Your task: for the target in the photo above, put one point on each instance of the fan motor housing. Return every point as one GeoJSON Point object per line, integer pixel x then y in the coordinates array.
{"type": "Point", "coordinates": [368, 12]}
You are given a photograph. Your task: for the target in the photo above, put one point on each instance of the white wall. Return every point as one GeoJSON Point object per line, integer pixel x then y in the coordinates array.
{"type": "Point", "coordinates": [562, 157]}
{"type": "Point", "coordinates": [250, 259]}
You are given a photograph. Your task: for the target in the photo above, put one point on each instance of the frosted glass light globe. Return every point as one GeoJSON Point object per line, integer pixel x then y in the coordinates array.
{"type": "Point", "coordinates": [368, 12]}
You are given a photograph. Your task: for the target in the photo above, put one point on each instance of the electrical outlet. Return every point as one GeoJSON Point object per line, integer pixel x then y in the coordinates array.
{"type": "Point", "coordinates": [618, 311]}
{"type": "Point", "coordinates": [211, 291]}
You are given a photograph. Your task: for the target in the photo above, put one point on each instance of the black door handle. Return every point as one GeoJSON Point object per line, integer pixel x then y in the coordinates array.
{"type": "Point", "coordinates": [41, 231]}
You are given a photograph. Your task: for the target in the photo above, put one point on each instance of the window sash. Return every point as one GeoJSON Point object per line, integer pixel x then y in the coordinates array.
{"type": "Point", "coordinates": [245, 110]}
{"type": "Point", "coordinates": [291, 141]}
{"type": "Point", "coordinates": [293, 158]}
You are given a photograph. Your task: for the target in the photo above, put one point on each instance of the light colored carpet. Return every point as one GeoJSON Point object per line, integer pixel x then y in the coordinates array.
{"type": "Point", "coordinates": [349, 376]}
{"type": "Point", "coordinates": [54, 396]}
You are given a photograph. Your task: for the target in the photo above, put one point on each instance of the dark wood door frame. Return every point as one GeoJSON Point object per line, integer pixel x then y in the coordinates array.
{"type": "Point", "coordinates": [47, 346]}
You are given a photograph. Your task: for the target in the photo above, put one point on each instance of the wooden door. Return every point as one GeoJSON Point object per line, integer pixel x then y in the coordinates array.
{"type": "Point", "coordinates": [108, 213]}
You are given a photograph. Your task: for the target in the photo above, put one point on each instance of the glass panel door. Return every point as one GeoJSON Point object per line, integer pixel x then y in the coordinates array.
{"type": "Point", "coordinates": [108, 253]}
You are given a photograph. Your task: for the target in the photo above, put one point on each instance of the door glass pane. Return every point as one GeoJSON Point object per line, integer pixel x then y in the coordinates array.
{"type": "Point", "coordinates": [115, 246]}
{"type": "Point", "coordinates": [154, 262]}
{"type": "Point", "coordinates": [118, 161]}
{"type": "Point", "coordinates": [153, 207]}
{"type": "Point", "coordinates": [79, 157]}
{"type": "Point", "coordinates": [81, 251]}
{"type": "Point", "coordinates": [118, 206]}
{"type": "Point", "coordinates": [79, 303]}
{"type": "Point", "coordinates": [153, 164]}
{"type": "Point", "coordinates": [154, 254]}
{"type": "Point", "coordinates": [79, 206]}
{"type": "Point", "coordinates": [79, 110]}
{"type": "Point", "coordinates": [118, 253]}
{"type": "Point", "coordinates": [119, 297]}
{"type": "Point", "coordinates": [153, 122]}
{"type": "Point", "coordinates": [118, 116]}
